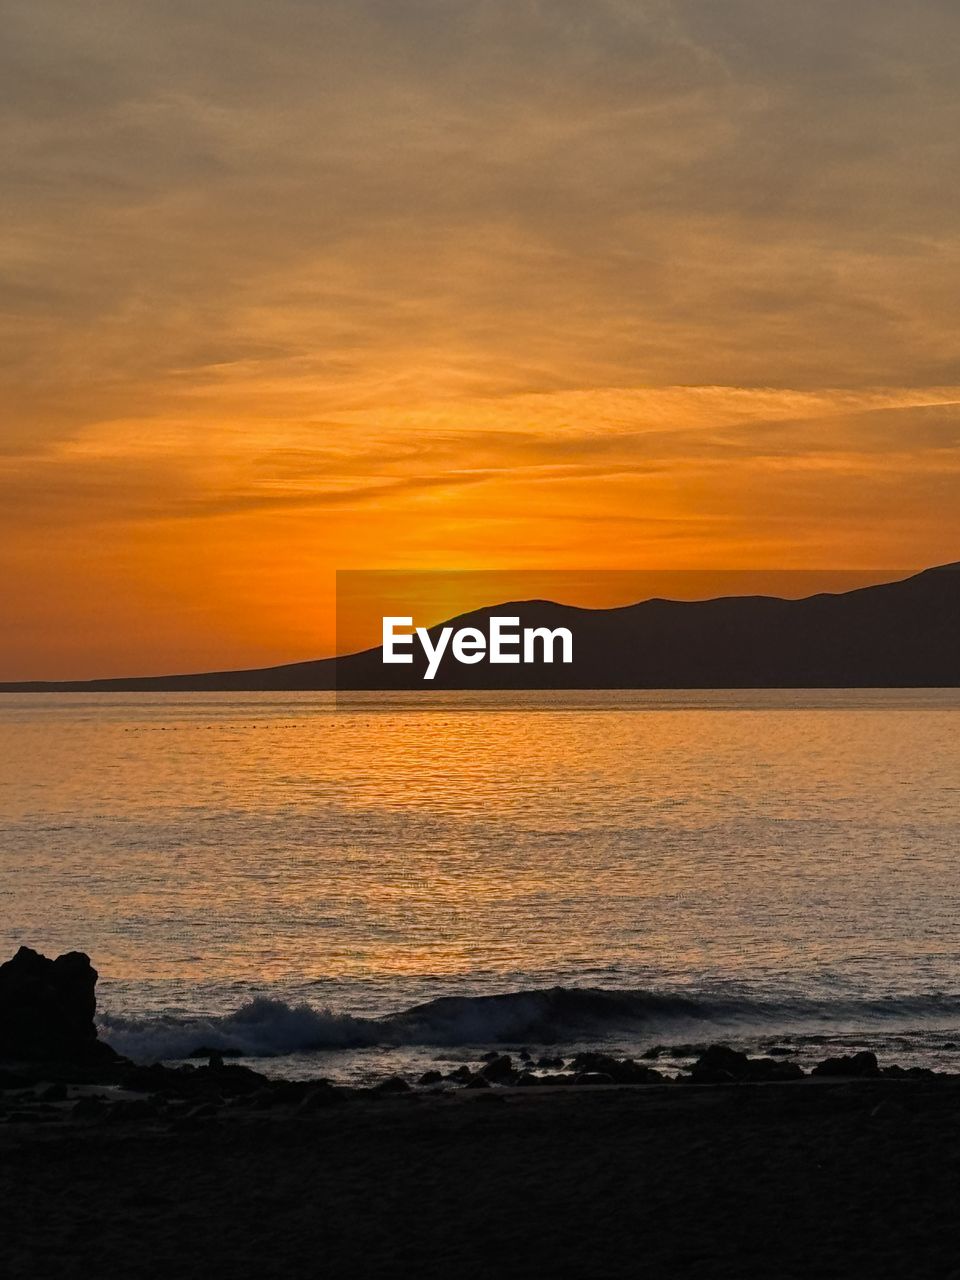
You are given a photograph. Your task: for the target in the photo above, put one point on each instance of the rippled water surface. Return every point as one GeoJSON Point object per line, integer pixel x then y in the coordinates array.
{"type": "Point", "coordinates": [206, 849]}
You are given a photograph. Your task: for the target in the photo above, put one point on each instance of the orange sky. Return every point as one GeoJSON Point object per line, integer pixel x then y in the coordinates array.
{"type": "Point", "coordinates": [320, 285]}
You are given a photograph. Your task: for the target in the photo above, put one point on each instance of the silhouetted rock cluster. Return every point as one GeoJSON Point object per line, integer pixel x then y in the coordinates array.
{"type": "Point", "coordinates": [857, 1066]}
{"type": "Point", "coordinates": [47, 1009]}
{"type": "Point", "coordinates": [721, 1065]}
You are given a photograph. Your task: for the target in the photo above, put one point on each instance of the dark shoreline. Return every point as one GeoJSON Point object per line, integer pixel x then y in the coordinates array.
{"type": "Point", "coordinates": [593, 1166]}
{"type": "Point", "coordinates": [815, 1178]}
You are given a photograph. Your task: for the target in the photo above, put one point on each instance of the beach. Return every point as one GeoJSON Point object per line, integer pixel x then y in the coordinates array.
{"type": "Point", "coordinates": [817, 1178]}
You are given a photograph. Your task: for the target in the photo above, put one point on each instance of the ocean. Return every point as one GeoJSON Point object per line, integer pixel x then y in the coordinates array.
{"type": "Point", "coordinates": [339, 890]}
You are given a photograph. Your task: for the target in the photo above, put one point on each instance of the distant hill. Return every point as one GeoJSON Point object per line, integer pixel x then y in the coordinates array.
{"type": "Point", "coordinates": [901, 634]}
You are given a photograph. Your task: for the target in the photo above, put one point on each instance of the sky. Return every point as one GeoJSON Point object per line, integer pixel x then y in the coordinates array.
{"type": "Point", "coordinates": [330, 285]}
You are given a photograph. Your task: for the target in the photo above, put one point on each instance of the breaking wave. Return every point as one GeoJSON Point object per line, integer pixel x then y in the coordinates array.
{"type": "Point", "coordinates": [266, 1027]}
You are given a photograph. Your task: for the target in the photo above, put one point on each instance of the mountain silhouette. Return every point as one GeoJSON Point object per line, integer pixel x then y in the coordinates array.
{"type": "Point", "coordinates": [897, 635]}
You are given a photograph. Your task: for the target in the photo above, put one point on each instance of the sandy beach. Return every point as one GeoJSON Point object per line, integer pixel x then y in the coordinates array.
{"type": "Point", "coordinates": [816, 1178]}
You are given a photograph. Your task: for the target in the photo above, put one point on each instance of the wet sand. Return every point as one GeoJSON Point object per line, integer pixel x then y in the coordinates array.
{"type": "Point", "coordinates": [812, 1179]}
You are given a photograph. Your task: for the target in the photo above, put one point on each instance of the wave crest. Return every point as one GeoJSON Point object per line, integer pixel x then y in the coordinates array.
{"type": "Point", "coordinates": [266, 1027]}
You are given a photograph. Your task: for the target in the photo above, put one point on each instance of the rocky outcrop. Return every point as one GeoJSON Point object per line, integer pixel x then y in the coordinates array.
{"type": "Point", "coordinates": [719, 1064]}
{"type": "Point", "coordinates": [47, 1009]}
{"type": "Point", "coordinates": [858, 1066]}
{"type": "Point", "coordinates": [619, 1070]}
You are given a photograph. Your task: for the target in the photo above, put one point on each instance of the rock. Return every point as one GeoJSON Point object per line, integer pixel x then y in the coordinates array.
{"type": "Point", "coordinates": [499, 1070]}
{"type": "Point", "coordinates": [490, 1056]}
{"type": "Point", "coordinates": [461, 1075]}
{"type": "Point", "coordinates": [908, 1073]}
{"type": "Point", "coordinates": [594, 1077]}
{"type": "Point", "coordinates": [685, 1050]}
{"type": "Point", "coordinates": [550, 1064]}
{"type": "Point", "coordinates": [394, 1084]}
{"type": "Point", "coordinates": [620, 1070]}
{"type": "Point", "coordinates": [478, 1082]}
{"type": "Point", "coordinates": [858, 1065]}
{"type": "Point", "coordinates": [229, 1080]}
{"type": "Point", "coordinates": [775, 1069]}
{"type": "Point", "coordinates": [47, 1009]}
{"type": "Point", "coordinates": [204, 1051]}
{"type": "Point", "coordinates": [719, 1064]}
{"type": "Point", "coordinates": [430, 1077]}
{"type": "Point", "coordinates": [782, 1051]}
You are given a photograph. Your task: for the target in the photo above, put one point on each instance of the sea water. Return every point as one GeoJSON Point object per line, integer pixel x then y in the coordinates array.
{"type": "Point", "coordinates": [293, 880]}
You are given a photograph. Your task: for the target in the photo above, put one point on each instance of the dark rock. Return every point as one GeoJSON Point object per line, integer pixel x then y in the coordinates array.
{"type": "Point", "coordinates": [858, 1065]}
{"type": "Point", "coordinates": [685, 1050]}
{"type": "Point", "coordinates": [229, 1080]}
{"type": "Point", "coordinates": [430, 1077]}
{"type": "Point", "coordinates": [490, 1056]}
{"type": "Point", "coordinates": [499, 1070]}
{"type": "Point", "coordinates": [550, 1064]}
{"type": "Point", "coordinates": [478, 1082]}
{"type": "Point", "coordinates": [719, 1064]}
{"type": "Point", "coordinates": [394, 1084]}
{"type": "Point", "coordinates": [775, 1069]}
{"type": "Point", "coordinates": [782, 1051]}
{"type": "Point", "coordinates": [47, 1009]}
{"type": "Point", "coordinates": [620, 1070]}
{"type": "Point", "coordinates": [594, 1077]}
{"type": "Point", "coordinates": [203, 1051]}
{"type": "Point", "coordinates": [461, 1075]}
{"type": "Point", "coordinates": [908, 1073]}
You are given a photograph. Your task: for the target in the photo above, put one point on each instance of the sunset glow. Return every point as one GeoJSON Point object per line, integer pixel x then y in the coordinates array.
{"type": "Point", "coordinates": [317, 286]}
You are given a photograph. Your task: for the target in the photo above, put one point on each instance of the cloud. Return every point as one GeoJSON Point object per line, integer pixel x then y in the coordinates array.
{"type": "Point", "coordinates": [333, 271]}
{"type": "Point", "coordinates": [523, 194]}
